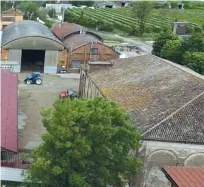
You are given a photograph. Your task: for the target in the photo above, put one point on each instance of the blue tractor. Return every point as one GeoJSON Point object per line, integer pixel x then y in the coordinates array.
{"type": "Point", "coordinates": [34, 78]}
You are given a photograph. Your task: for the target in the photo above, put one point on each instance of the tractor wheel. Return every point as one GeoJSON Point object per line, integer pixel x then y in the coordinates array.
{"type": "Point", "coordinates": [38, 81]}
{"type": "Point", "coordinates": [28, 81]}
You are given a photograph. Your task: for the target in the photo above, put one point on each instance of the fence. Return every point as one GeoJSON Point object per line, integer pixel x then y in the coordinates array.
{"type": "Point", "coordinates": [15, 160]}
{"type": "Point", "coordinates": [10, 66]}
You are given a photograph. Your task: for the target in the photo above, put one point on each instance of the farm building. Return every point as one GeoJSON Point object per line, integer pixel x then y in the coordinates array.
{"type": "Point", "coordinates": [10, 16]}
{"type": "Point", "coordinates": [106, 4]}
{"type": "Point", "coordinates": [83, 45]}
{"type": "Point", "coordinates": [9, 112]}
{"type": "Point", "coordinates": [165, 101]}
{"type": "Point", "coordinates": [11, 163]}
{"type": "Point", "coordinates": [33, 46]}
{"type": "Point", "coordinates": [58, 7]}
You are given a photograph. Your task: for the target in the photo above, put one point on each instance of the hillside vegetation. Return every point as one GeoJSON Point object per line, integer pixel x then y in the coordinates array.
{"type": "Point", "coordinates": [123, 19]}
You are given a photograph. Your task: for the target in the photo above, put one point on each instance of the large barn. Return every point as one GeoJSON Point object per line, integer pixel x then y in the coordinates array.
{"type": "Point", "coordinates": [33, 46]}
{"type": "Point", "coordinates": [82, 44]}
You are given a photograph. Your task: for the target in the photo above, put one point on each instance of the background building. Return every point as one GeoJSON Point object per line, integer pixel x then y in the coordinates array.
{"type": "Point", "coordinates": [33, 46]}
{"type": "Point", "coordinates": [83, 45]}
{"type": "Point", "coordinates": [10, 16]}
{"type": "Point", "coordinates": [165, 101]}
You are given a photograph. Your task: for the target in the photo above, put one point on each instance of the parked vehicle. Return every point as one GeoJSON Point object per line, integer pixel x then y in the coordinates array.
{"type": "Point", "coordinates": [68, 94]}
{"type": "Point", "coordinates": [63, 70]}
{"type": "Point", "coordinates": [34, 78]}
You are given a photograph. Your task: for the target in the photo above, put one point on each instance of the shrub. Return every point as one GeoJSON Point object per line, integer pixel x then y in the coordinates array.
{"type": "Point", "coordinates": [195, 61]}
{"type": "Point", "coordinates": [190, 29]}
{"type": "Point", "coordinates": [198, 29]}
{"type": "Point", "coordinates": [156, 29]}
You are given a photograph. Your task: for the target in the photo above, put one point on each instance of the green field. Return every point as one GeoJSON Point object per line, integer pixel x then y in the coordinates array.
{"type": "Point", "coordinates": [123, 19]}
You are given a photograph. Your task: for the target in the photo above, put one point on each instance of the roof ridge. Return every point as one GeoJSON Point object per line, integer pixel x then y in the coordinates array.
{"type": "Point", "coordinates": [189, 102]}
{"type": "Point", "coordinates": [183, 68]}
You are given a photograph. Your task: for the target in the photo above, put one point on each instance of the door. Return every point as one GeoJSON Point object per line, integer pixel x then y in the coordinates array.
{"type": "Point", "coordinates": [76, 64]}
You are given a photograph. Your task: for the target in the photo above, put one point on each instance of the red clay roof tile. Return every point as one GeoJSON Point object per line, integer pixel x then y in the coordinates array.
{"type": "Point", "coordinates": [186, 176]}
{"type": "Point", "coordinates": [63, 29]}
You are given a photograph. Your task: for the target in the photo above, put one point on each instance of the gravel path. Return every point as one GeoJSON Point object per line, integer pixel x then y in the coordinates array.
{"type": "Point", "coordinates": [32, 98]}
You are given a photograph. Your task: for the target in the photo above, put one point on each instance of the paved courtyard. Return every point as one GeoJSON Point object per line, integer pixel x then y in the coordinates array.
{"type": "Point", "coordinates": [32, 98]}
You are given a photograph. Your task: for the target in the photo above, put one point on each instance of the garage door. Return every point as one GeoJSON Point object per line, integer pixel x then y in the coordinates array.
{"type": "Point", "coordinates": [76, 64]}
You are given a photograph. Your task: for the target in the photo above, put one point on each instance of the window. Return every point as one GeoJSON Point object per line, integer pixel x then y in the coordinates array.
{"type": "Point", "coordinates": [76, 64]}
{"type": "Point", "coordinates": [94, 51]}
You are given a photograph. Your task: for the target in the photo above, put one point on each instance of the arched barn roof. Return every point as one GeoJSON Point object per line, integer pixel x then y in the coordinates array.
{"type": "Point", "coordinates": [29, 35]}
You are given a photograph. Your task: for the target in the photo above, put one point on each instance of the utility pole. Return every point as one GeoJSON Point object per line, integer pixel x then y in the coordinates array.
{"type": "Point", "coordinates": [63, 10]}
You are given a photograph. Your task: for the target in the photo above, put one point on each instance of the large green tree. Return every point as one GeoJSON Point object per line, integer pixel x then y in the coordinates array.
{"type": "Point", "coordinates": [88, 143]}
{"type": "Point", "coordinates": [52, 13]}
{"type": "Point", "coordinates": [160, 41]}
{"type": "Point", "coordinates": [194, 44]}
{"type": "Point", "coordinates": [30, 10]}
{"type": "Point", "coordinates": [141, 10]}
{"type": "Point", "coordinates": [171, 51]}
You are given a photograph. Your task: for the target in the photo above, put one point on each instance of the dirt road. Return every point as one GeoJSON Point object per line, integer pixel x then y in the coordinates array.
{"type": "Point", "coordinates": [31, 100]}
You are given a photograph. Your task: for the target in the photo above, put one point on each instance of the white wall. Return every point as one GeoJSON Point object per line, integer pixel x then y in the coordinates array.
{"type": "Point", "coordinates": [160, 154]}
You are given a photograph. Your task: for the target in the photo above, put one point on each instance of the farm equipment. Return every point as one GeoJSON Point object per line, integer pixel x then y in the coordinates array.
{"type": "Point", "coordinates": [34, 78]}
{"type": "Point", "coordinates": [63, 70]}
{"type": "Point", "coordinates": [68, 94]}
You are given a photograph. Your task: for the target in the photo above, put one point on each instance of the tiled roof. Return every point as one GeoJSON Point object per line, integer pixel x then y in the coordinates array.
{"type": "Point", "coordinates": [185, 125]}
{"type": "Point", "coordinates": [9, 120]}
{"type": "Point", "coordinates": [63, 29]}
{"type": "Point", "coordinates": [185, 176]}
{"type": "Point", "coordinates": [12, 11]}
{"type": "Point", "coordinates": [77, 40]}
{"type": "Point", "coordinates": [152, 89]}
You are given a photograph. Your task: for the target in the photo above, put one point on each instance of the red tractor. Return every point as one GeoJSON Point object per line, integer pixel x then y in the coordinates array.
{"type": "Point", "coordinates": [68, 94]}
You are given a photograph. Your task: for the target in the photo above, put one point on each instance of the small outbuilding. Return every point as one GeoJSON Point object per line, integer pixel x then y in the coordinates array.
{"type": "Point", "coordinates": [83, 45]}
{"type": "Point", "coordinates": [32, 45]}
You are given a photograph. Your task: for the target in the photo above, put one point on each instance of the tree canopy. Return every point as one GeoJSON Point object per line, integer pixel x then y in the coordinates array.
{"type": "Point", "coordinates": [141, 11]}
{"type": "Point", "coordinates": [86, 3]}
{"type": "Point", "coordinates": [30, 10]}
{"type": "Point", "coordinates": [188, 52]}
{"type": "Point", "coordinates": [88, 143]}
{"type": "Point", "coordinates": [164, 36]}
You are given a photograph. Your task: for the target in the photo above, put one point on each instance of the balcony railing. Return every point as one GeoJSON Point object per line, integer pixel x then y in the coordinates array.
{"type": "Point", "coordinates": [17, 160]}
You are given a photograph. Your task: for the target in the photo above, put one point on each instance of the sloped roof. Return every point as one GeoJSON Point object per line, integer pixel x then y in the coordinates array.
{"type": "Point", "coordinates": [185, 176]}
{"type": "Point", "coordinates": [9, 111]}
{"type": "Point", "coordinates": [66, 30]}
{"type": "Point", "coordinates": [188, 121]}
{"type": "Point", "coordinates": [77, 40]}
{"type": "Point", "coordinates": [26, 28]}
{"type": "Point", "coordinates": [12, 11]}
{"type": "Point", "coordinates": [151, 89]}
{"type": "Point", "coordinates": [61, 30]}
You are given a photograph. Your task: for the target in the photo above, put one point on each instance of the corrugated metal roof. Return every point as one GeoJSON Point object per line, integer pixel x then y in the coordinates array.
{"type": "Point", "coordinates": [9, 119]}
{"type": "Point", "coordinates": [185, 176]}
{"type": "Point", "coordinates": [26, 28]}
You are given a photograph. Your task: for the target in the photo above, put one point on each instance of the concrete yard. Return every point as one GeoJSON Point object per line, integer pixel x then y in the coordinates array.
{"type": "Point", "coordinates": [32, 98]}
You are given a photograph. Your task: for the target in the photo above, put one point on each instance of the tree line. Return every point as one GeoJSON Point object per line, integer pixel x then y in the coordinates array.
{"type": "Point", "coordinates": [188, 52]}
